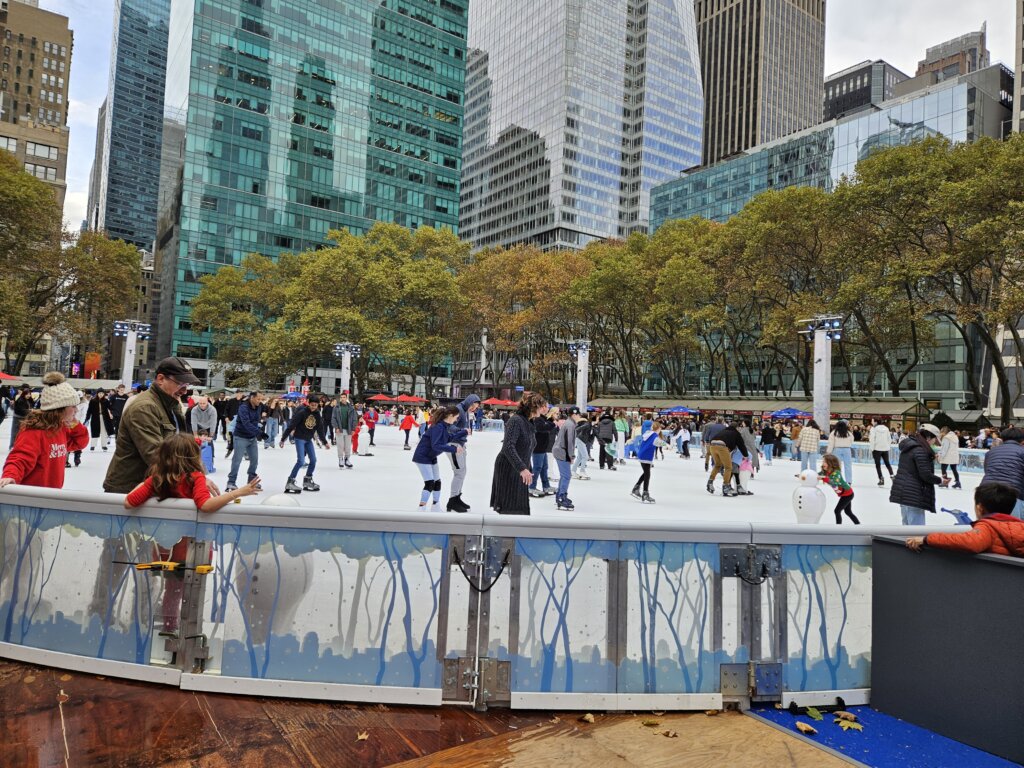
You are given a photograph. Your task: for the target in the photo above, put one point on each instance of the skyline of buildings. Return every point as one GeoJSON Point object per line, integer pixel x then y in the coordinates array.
{"type": "Point", "coordinates": [860, 87]}
{"type": "Point", "coordinates": [573, 112]}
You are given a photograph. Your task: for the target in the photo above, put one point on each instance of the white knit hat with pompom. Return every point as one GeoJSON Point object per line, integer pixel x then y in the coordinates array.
{"type": "Point", "coordinates": [57, 393]}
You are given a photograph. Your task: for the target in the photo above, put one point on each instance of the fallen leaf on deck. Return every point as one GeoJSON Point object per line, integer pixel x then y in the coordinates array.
{"type": "Point", "coordinates": [587, 718]}
{"type": "Point", "coordinates": [554, 720]}
{"type": "Point", "coordinates": [847, 725]}
{"type": "Point", "coordinates": [846, 716]}
{"type": "Point", "coordinates": [383, 708]}
{"type": "Point", "coordinates": [658, 714]}
{"type": "Point", "coordinates": [712, 712]}
{"type": "Point", "coordinates": [29, 679]}
{"type": "Point", "coordinates": [62, 697]}
{"type": "Point", "coordinates": [670, 734]}
{"type": "Point", "coordinates": [650, 723]}
{"type": "Point", "coordinates": [805, 728]}
{"type": "Point", "coordinates": [362, 736]}
{"type": "Point", "coordinates": [814, 714]}
{"type": "Point", "coordinates": [65, 678]}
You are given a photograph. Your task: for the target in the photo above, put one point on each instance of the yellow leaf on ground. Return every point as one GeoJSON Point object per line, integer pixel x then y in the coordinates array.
{"type": "Point", "coordinates": [847, 725]}
{"type": "Point", "coordinates": [806, 728]}
{"type": "Point", "coordinates": [587, 718]}
{"type": "Point", "coordinates": [846, 716]}
{"type": "Point", "coordinates": [650, 723]}
{"type": "Point", "coordinates": [362, 736]}
{"type": "Point", "coordinates": [670, 734]}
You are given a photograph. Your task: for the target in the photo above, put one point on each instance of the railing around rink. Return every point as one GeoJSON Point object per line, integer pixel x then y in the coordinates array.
{"type": "Point", "coordinates": [539, 612]}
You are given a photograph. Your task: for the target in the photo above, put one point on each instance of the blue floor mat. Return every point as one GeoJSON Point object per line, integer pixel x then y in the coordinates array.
{"type": "Point", "coordinates": [887, 742]}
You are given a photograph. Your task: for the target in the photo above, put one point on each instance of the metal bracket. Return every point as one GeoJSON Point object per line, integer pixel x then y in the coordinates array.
{"type": "Point", "coordinates": [735, 679]}
{"type": "Point", "coordinates": [751, 563]}
{"type": "Point", "coordinates": [758, 681]}
{"type": "Point", "coordinates": [190, 648]}
{"type": "Point", "coordinates": [459, 679]}
{"type": "Point", "coordinates": [495, 681]}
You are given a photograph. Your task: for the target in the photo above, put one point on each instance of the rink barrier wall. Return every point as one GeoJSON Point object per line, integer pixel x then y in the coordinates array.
{"type": "Point", "coordinates": [412, 608]}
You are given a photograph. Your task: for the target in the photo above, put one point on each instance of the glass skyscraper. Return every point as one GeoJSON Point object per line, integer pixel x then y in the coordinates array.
{"type": "Point", "coordinates": [574, 110]}
{"type": "Point", "coordinates": [962, 109]}
{"type": "Point", "coordinates": [296, 117]}
{"type": "Point", "coordinates": [126, 170]}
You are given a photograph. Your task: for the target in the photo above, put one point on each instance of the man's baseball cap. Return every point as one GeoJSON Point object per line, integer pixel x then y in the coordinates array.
{"type": "Point", "coordinates": [177, 369]}
{"type": "Point", "coordinates": [571, 410]}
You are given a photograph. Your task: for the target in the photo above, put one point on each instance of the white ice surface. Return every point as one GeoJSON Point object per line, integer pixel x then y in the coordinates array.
{"type": "Point", "coordinates": [388, 481]}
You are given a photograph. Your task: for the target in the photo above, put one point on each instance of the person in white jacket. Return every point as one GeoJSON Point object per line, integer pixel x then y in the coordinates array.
{"type": "Point", "coordinates": [881, 442]}
{"type": "Point", "coordinates": [949, 455]}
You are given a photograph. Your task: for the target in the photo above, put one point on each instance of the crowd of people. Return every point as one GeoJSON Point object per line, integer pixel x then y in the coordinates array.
{"type": "Point", "coordinates": [164, 442]}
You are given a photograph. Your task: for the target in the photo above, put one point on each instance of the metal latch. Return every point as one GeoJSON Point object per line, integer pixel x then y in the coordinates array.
{"type": "Point", "coordinates": [753, 564]}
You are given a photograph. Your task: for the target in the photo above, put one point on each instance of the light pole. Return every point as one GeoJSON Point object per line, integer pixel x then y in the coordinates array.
{"type": "Point", "coordinates": [132, 331]}
{"type": "Point", "coordinates": [580, 349]}
{"type": "Point", "coordinates": [345, 352]}
{"type": "Point", "coordinates": [825, 329]}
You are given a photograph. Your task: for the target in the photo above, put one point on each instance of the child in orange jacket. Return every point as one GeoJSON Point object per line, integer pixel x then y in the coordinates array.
{"type": "Point", "coordinates": [408, 424]}
{"type": "Point", "coordinates": [995, 530]}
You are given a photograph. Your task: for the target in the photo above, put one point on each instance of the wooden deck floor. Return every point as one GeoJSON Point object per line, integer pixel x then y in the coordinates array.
{"type": "Point", "coordinates": [52, 718]}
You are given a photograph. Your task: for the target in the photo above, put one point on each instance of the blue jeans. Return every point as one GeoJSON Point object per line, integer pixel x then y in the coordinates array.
{"type": "Point", "coordinates": [304, 449]}
{"type": "Point", "coordinates": [580, 463]}
{"type": "Point", "coordinates": [540, 471]}
{"type": "Point", "coordinates": [564, 476]}
{"type": "Point", "coordinates": [272, 426]}
{"type": "Point", "coordinates": [912, 515]}
{"type": "Point", "coordinates": [845, 455]}
{"type": "Point", "coordinates": [244, 447]}
{"type": "Point", "coordinates": [1018, 509]}
{"type": "Point", "coordinates": [807, 460]}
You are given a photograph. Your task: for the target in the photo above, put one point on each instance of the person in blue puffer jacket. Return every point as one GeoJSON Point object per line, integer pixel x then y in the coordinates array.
{"type": "Point", "coordinates": [650, 442]}
{"type": "Point", "coordinates": [439, 437]}
{"type": "Point", "coordinates": [1005, 464]}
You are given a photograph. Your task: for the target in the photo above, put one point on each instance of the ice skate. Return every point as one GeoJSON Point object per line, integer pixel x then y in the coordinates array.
{"type": "Point", "coordinates": [635, 493]}
{"type": "Point", "coordinates": [549, 492]}
{"type": "Point", "coordinates": [564, 502]}
{"type": "Point", "coordinates": [230, 487]}
{"type": "Point", "coordinates": [728, 491]}
{"type": "Point", "coordinates": [406, 447]}
{"type": "Point", "coordinates": [348, 464]}
{"type": "Point", "coordinates": [292, 487]}
{"type": "Point", "coordinates": [309, 485]}
{"type": "Point", "coordinates": [711, 487]}
{"type": "Point", "coordinates": [536, 493]}
{"type": "Point", "coordinates": [647, 498]}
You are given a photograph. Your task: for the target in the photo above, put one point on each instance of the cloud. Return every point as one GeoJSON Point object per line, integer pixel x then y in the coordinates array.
{"type": "Point", "coordinates": [75, 204]}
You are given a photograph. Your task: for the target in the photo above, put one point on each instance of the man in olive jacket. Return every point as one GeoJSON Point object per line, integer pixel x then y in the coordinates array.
{"type": "Point", "coordinates": [148, 418]}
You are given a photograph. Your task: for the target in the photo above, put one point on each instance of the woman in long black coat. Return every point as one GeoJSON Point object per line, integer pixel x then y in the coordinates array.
{"type": "Point", "coordinates": [99, 413]}
{"type": "Point", "coordinates": [510, 487]}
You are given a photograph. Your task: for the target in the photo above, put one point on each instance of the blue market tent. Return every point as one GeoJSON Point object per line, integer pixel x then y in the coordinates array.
{"type": "Point", "coordinates": [679, 410]}
{"type": "Point", "coordinates": [791, 413]}
{"type": "Point", "coordinates": [293, 396]}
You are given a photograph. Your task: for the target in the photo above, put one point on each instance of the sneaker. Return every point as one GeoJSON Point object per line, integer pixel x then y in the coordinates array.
{"type": "Point", "coordinates": [230, 487]}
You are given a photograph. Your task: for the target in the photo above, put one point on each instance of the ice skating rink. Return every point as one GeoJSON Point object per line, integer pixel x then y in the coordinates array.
{"type": "Point", "coordinates": [388, 481]}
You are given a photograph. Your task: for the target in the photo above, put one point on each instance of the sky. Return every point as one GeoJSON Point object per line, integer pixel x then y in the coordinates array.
{"type": "Point", "coordinates": [898, 31]}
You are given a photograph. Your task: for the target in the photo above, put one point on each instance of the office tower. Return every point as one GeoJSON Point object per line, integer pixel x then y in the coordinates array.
{"type": "Point", "coordinates": [959, 56]}
{"type": "Point", "coordinates": [859, 87]}
{"type": "Point", "coordinates": [126, 168]}
{"type": "Point", "coordinates": [35, 68]}
{"type": "Point", "coordinates": [298, 117]}
{"type": "Point", "coordinates": [763, 65]}
{"type": "Point", "coordinates": [961, 109]}
{"type": "Point", "coordinates": [574, 110]}
{"type": "Point", "coordinates": [92, 208]}
{"type": "Point", "coordinates": [1019, 68]}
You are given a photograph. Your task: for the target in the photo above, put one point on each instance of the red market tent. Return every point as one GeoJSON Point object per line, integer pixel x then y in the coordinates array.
{"type": "Point", "coordinates": [409, 399]}
{"type": "Point", "coordinates": [381, 398]}
{"type": "Point", "coordinates": [8, 377]}
{"type": "Point", "coordinates": [493, 401]}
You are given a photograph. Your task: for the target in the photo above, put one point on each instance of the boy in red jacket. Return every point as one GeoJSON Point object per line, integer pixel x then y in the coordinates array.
{"type": "Point", "coordinates": [46, 438]}
{"type": "Point", "coordinates": [995, 530]}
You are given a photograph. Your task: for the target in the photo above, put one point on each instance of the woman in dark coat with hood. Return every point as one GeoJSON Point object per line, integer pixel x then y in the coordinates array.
{"type": "Point", "coordinates": [510, 487]}
{"type": "Point", "coordinates": [913, 487]}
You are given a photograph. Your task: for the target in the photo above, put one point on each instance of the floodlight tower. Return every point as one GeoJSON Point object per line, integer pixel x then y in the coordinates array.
{"type": "Point", "coordinates": [346, 352]}
{"type": "Point", "coordinates": [132, 331]}
{"type": "Point", "coordinates": [825, 329]}
{"type": "Point", "coordinates": [580, 349]}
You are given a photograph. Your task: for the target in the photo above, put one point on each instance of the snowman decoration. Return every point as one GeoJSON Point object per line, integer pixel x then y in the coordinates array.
{"type": "Point", "coordinates": [808, 500]}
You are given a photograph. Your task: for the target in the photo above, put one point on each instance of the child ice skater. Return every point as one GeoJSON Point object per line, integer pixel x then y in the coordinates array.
{"type": "Point", "coordinates": [435, 441]}
{"type": "Point", "coordinates": [408, 424]}
{"type": "Point", "coordinates": [831, 473]}
{"type": "Point", "coordinates": [650, 442]}
{"type": "Point", "coordinates": [995, 529]}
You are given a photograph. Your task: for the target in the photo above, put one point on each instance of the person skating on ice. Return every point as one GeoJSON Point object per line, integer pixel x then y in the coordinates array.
{"type": "Point", "coordinates": [306, 425]}
{"type": "Point", "coordinates": [440, 437]}
{"type": "Point", "coordinates": [563, 453]}
{"type": "Point", "coordinates": [650, 442]}
{"type": "Point", "coordinates": [459, 460]}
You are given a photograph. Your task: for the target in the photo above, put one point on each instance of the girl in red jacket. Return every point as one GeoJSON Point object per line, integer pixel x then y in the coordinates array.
{"type": "Point", "coordinates": [178, 474]}
{"type": "Point", "coordinates": [408, 424]}
{"type": "Point", "coordinates": [46, 438]}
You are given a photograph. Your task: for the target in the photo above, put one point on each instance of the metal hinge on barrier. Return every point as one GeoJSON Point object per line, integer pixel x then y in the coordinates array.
{"type": "Point", "coordinates": [461, 681]}
{"type": "Point", "coordinates": [760, 681]}
{"type": "Point", "coordinates": [751, 563]}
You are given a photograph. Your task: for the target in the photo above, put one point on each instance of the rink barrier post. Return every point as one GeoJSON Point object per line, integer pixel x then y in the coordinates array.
{"type": "Point", "coordinates": [483, 610]}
